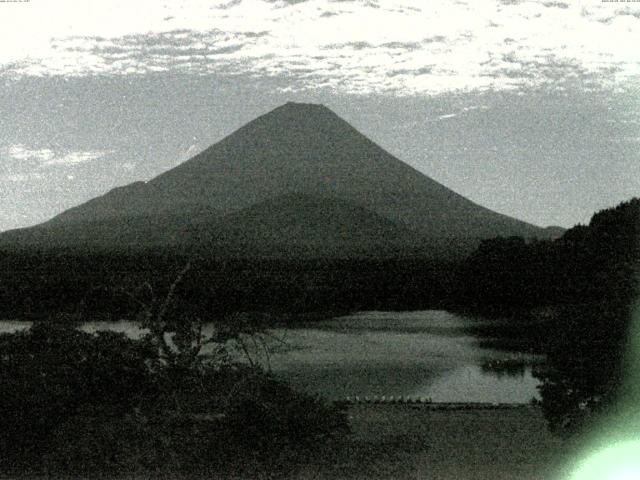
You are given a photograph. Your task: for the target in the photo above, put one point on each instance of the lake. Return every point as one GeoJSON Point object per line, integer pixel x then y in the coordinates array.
{"type": "Point", "coordinates": [423, 353]}
{"type": "Point", "coordinates": [418, 354]}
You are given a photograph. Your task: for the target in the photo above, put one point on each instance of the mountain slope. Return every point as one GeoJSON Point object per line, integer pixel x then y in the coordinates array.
{"type": "Point", "coordinates": [304, 225]}
{"type": "Point", "coordinates": [294, 149]}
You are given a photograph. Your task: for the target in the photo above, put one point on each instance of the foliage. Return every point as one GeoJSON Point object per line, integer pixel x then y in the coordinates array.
{"type": "Point", "coordinates": [76, 403]}
{"type": "Point", "coordinates": [584, 372]}
{"type": "Point", "coordinates": [588, 264]}
{"type": "Point", "coordinates": [52, 372]}
{"type": "Point", "coordinates": [586, 354]}
{"type": "Point", "coordinates": [100, 284]}
{"type": "Point", "coordinates": [588, 279]}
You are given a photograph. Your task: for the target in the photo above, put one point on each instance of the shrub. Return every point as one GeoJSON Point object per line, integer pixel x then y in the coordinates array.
{"type": "Point", "coordinates": [83, 404]}
{"type": "Point", "coordinates": [52, 371]}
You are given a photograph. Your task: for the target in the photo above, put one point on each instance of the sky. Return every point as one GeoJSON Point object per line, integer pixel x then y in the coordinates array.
{"type": "Point", "coordinates": [530, 108]}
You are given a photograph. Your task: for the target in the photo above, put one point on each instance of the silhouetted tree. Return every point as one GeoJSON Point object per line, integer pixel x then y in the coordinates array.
{"type": "Point", "coordinates": [585, 370]}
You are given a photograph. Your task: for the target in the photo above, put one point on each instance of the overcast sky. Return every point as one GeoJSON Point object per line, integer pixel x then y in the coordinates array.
{"type": "Point", "coordinates": [531, 108]}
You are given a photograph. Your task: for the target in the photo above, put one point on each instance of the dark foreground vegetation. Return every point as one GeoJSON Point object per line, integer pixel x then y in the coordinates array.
{"type": "Point", "coordinates": [33, 284]}
{"type": "Point", "coordinates": [84, 405]}
{"type": "Point", "coordinates": [571, 299]}
{"type": "Point", "coordinates": [77, 402]}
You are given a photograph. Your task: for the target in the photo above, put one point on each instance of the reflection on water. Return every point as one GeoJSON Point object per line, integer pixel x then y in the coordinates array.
{"type": "Point", "coordinates": [471, 383]}
{"type": "Point", "coordinates": [401, 354]}
{"type": "Point", "coordinates": [9, 326]}
{"type": "Point", "coordinates": [383, 353]}
{"type": "Point", "coordinates": [132, 330]}
{"type": "Point", "coordinates": [509, 366]}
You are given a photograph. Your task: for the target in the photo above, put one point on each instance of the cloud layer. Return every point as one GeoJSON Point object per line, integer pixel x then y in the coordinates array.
{"type": "Point", "coordinates": [19, 163]}
{"type": "Point", "coordinates": [365, 46]}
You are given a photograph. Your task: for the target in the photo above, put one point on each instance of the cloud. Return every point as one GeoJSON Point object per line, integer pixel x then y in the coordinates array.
{"type": "Point", "coordinates": [20, 177]}
{"type": "Point", "coordinates": [412, 72]}
{"type": "Point", "coordinates": [20, 152]}
{"type": "Point", "coordinates": [462, 111]}
{"type": "Point", "coordinates": [46, 157]}
{"type": "Point", "coordinates": [74, 158]}
{"type": "Point", "coordinates": [630, 13]}
{"type": "Point", "coordinates": [556, 5]}
{"type": "Point", "coordinates": [401, 46]}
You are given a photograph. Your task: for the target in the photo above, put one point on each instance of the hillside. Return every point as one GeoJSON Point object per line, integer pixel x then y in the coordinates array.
{"type": "Point", "coordinates": [241, 186]}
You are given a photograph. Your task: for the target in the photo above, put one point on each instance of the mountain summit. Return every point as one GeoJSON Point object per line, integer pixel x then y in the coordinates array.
{"type": "Point", "coordinates": [288, 164]}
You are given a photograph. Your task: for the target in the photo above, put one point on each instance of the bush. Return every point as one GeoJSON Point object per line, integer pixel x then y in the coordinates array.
{"type": "Point", "coordinates": [584, 375]}
{"type": "Point", "coordinates": [80, 404]}
{"type": "Point", "coordinates": [52, 371]}
{"type": "Point", "coordinates": [267, 415]}
{"type": "Point", "coordinates": [265, 437]}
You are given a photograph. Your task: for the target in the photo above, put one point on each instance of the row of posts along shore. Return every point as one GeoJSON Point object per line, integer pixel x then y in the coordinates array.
{"type": "Point", "coordinates": [427, 402]}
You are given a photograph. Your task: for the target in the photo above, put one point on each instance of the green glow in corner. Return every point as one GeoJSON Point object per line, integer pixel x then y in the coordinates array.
{"type": "Point", "coordinates": [620, 461]}
{"type": "Point", "coordinates": [614, 453]}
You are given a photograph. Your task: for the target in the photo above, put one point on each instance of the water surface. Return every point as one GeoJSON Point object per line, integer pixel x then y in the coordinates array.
{"type": "Point", "coordinates": [424, 353]}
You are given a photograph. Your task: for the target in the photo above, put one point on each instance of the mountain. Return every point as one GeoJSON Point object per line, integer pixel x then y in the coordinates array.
{"type": "Point", "coordinates": [305, 226]}
{"type": "Point", "coordinates": [298, 176]}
